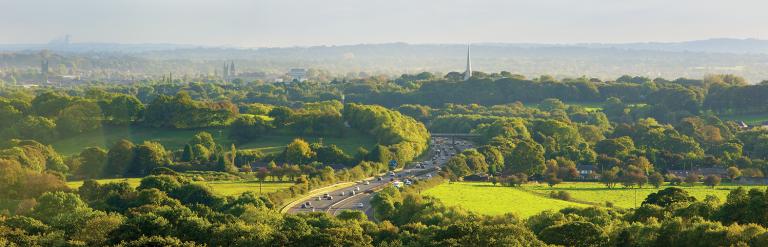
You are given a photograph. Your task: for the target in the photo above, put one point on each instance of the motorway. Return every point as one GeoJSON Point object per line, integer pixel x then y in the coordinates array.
{"type": "Point", "coordinates": [441, 150]}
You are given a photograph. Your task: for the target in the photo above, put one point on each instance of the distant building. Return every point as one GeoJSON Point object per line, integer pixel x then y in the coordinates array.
{"type": "Point", "coordinates": [298, 74]}
{"type": "Point", "coordinates": [587, 171]}
{"type": "Point", "coordinates": [704, 172]}
{"type": "Point", "coordinates": [44, 71]}
{"type": "Point", "coordinates": [468, 72]}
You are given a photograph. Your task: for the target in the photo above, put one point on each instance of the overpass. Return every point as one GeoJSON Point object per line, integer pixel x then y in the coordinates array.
{"type": "Point", "coordinates": [453, 136]}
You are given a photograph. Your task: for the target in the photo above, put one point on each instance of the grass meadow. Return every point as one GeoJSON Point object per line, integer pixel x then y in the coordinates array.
{"type": "Point", "coordinates": [533, 198]}
{"type": "Point", "coordinates": [495, 200]}
{"type": "Point", "coordinates": [174, 139]}
{"type": "Point", "coordinates": [224, 188]}
{"type": "Point", "coordinates": [751, 119]}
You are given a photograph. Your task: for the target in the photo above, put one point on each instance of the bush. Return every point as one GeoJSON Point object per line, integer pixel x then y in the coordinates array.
{"type": "Point", "coordinates": [561, 195]}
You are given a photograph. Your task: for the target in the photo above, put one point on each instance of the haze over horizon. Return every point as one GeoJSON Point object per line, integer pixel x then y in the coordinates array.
{"type": "Point", "coordinates": [241, 23]}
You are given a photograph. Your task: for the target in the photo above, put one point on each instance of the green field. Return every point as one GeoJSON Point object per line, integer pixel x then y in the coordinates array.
{"type": "Point", "coordinates": [533, 198]}
{"type": "Point", "coordinates": [176, 139]}
{"type": "Point", "coordinates": [751, 119]}
{"type": "Point", "coordinates": [495, 200]}
{"type": "Point", "coordinates": [597, 193]}
{"type": "Point", "coordinates": [224, 188]}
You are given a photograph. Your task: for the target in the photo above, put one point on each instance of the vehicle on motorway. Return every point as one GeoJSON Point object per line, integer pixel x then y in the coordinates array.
{"type": "Point", "coordinates": [369, 191]}
{"type": "Point", "coordinates": [342, 193]}
{"type": "Point", "coordinates": [397, 184]}
{"type": "Point", "coordinates": [367, 183]}
{"type": "Point", "coordinates": [359, 205]}
{"type": "Point", "coordinates": [351, 193]}
{"type": "Point", "coordinates": [408, 182]}
{"type": "Point", "coordinates": [326, 195]}
{"type": "Point", "coordinates": [379, 179]}
{"type": "Point", "coordinates": [429, 175]}
{"type": "Point", "coordinates": [357, 188]}
{"type": "Point", "coordinates": [319, 198]}
{"type": "Point", "coordinates": [330, 197]}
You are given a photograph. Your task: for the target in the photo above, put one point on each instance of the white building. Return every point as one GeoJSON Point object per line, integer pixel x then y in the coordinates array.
{"type": "Point", "coordinates": [298, 74]}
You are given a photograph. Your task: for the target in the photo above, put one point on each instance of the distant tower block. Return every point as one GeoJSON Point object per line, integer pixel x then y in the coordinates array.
{"type": "Point", "coordinates": [468, 72]}
{"type": "Point", "coordinates": [232, 72]}
{"type": "Point", "coordinates": [44, 71]}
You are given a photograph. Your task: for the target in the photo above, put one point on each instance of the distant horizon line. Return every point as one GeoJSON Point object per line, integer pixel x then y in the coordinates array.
{"type": "Point", "coordinates": [229, 46]}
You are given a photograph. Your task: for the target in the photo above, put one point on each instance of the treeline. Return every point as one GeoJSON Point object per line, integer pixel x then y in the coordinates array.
{"type": "Point", "coordinates": [549, 141]}
{"type": "Point", "coordinates": [401, 138]}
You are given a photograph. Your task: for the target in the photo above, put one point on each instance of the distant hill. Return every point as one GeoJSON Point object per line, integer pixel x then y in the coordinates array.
{"type": "Point", "coordinates": [693, 59]}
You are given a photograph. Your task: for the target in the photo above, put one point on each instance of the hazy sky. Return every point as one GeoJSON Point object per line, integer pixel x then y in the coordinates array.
{"type": "Point", "coordinates": [257, 23]}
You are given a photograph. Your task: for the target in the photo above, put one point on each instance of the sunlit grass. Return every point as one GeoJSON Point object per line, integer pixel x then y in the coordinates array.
{"type": "Point", "coordinates": [487, 199]}
{"type": "Point", "coordinates": [224, 188]}
{"type": "Point", "coordinates": [598, 193]}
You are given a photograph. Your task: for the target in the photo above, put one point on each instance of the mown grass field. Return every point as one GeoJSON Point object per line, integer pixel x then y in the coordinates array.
{"type": "Point", "coordinates": [485, 198]}
{"type": "Point", "coordinates": [532, 198]}
{"type": "Point", "coordinates": [751, 119]}
{"type": "Point", "coordinates": [224, 188]}
{"type": "Point", "coordinates": [174, 139]}
{"type": "Point", "coordinates": [597, 193]}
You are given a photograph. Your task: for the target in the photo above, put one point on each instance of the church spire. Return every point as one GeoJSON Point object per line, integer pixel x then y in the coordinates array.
{"type": "Point", "coordinates": [468, 72]}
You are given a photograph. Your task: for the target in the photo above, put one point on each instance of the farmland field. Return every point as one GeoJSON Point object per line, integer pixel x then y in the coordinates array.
{"type": "Point", "coordinates": [625, 197]}
{"type": "Point", "coordinates": [485, 198]}
{"type": "Point", "coordinates": [174, 139]}
{"type": "Point", "coordinates": [224, 188]}
{"type": "Point", "coordinates": [533, 198]}
{"type": "Point", "coordinates": [751, 119]}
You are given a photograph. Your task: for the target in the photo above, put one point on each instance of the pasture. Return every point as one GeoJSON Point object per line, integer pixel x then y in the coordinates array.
{"type": "Point", "coordinates": [487, 199]}
{"type": "Point", "coordinates": [533, 198]}
{"type": "Point", "coordinates": [174, 139]}
{"type": "Point", "coordinates": [599, 194]}
{"type": "Point", "coordinates": [224, 188]}
{"type": "Point", "coordinates": [750, 119]}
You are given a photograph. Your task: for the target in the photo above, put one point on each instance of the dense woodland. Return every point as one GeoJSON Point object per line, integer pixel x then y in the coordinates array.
{"type": "Point", "coordinates": [642, 130]}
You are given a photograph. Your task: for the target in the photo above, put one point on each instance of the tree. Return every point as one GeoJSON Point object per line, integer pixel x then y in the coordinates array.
{"type": "Point", "coordinates": [610, 177]}
{"type": "Point", "coordinates": [123, 109]}
{"type": "Point", "coordinates": [457, 167]}
{"type": "Point", "coordinates": [93, 160]}
{"type": "Point", "coordinates": [148, 155]}
{"type": "Point", "coordinates": [552, 179]}
{"type": "Point", "coordinates": [692, 179]}
{"type": "Point", "coordinates": [119, 159]}
{"type": "Point", "coordinates": [576, 233]}
{"type": "Point", "coordinates": [298, 152]}
{"type": "Point", "coordinates": [669, 196]}
{"type": "Point", "coordinates": [656, 179]}
{"type": "Point", "coordinates": [733, 173]}
{"type": "Point", "coordinates": [79, 117]}
{"type": "Point", "coordinates": [712, 181]}
{"type": "Point", "coordinates": [187, 155]}
{"type": "Point", "coordinates": [261, 175]}
{"type": "Point", "coordinates": [527, 157]}
{"type": "Point", "coordinates": [281, 115]}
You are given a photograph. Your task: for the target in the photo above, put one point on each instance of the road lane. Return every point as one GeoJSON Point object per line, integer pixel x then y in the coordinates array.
{"type": "Point", "coordinates": [441, 151]}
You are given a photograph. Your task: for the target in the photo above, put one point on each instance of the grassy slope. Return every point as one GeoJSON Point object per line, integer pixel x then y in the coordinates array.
{"type": "Point", "coordinates": [622, 197]}
{"type": "Point", "coordinates": [494, 200]}
{"type": "Point", "coordinates": [751, 119]}
{"type": "Point", "coordinates": [175, 139]}
{"type": "Point", "coordinates": [225, 188]}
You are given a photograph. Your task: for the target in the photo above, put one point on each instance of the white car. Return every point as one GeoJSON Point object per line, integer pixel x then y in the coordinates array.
{"type": "Point", "coordinates": [359, 205]}
{"type": "Point", "coordinates": [367, 183]}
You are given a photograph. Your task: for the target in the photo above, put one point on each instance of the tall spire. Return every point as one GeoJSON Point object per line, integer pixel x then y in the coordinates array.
{"type": "Point", "coordinates": [468, 72]}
